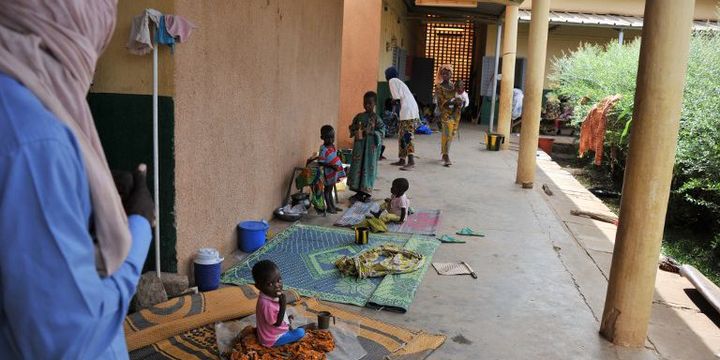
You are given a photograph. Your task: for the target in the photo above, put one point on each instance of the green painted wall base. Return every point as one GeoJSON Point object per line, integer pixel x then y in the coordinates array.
{"type": "Point", "coordinates": [124, 123]}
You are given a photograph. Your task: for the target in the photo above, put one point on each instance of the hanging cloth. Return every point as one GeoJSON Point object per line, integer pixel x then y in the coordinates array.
{"type": "Point", "coordinates": [592, 131]}
{"type": "Point", "coordinates": [178, 27]}
{"type": "Point", "coordinates": [162, 36]}
{"type": "Point", "coordinates": [140, 41]}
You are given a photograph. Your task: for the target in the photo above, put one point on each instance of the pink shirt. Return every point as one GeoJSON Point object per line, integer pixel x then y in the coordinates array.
{"type": "Point", "coordinates": [266, 311]}
{"type": "Point", "coordinates": [397, 203]}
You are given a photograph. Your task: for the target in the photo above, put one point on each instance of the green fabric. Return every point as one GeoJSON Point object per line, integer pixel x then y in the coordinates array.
{"type": "Point", "coordinates": [396, 292]}
{"type": "Point", "coordinates": [450, 239]}
{"type": "Point", "coordinates": [366, 152]}
{"type": "Point", "coordinates": [380, 261]}
{"type": "Point", "coordinates": [313, 177]}
{"type": "Point", "coordinates": [466, 231]}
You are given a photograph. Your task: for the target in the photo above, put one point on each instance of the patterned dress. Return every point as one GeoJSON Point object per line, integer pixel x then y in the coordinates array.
{"type": "Point", "coordinates": [334, 167]}
{"type": "Point", "coordinates": [366, 151]}
{"type": "Point", "coordinates": [449, 116]}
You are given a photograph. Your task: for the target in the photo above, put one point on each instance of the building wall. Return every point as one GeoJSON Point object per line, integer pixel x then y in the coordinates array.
{"type": "Point", "coordinates": [120, 72]}
{"type": "Point", "coordinates": [397, 30]}
{"type": "Point", "coordinates": [561, 40]}
{"type": "Point", "coordinates": [253, 86]}
{"type": "Point", "coordinates": [704, 9]}
{"type": "Point", "coordinates": [360, 34]}
{"type": "Point", "coordinates": [121, 103]}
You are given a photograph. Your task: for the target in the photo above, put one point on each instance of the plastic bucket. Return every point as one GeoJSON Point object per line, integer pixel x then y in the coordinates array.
{"type": "Point", "coordinates": [546, 144]}
{"type": "Point", "coordinates": [251, 235]}
{"type": "Point", "coordinates": [493, 141]}
{"type": "Point", "coordinates": [207, 266]}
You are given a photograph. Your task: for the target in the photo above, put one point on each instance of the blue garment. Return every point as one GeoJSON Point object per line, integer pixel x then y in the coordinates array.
{"type": "Point", "coordinates": [53, 303]}
{"type": "Point", "coordinates": [162, 36]}
{"type": "Point", "coordinates": [290, 337]}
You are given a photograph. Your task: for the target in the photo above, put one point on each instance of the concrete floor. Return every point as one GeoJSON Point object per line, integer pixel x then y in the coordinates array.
{"type": "Point", "coordinates": [541, 284]}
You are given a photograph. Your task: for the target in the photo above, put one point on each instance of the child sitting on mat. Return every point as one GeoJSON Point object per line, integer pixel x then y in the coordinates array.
{"type": "Point", "coordinates": [331, 164]}
{"type": "Point", "coordinates": [273, 324]}
{"type": "Point", "coordinates": [397, 207]}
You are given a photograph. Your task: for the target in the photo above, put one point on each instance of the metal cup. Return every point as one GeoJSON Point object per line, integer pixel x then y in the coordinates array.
{"type": "Point", "coordinates": [361, 235]}
{"type": "Point", "coordinates": [324, 320]}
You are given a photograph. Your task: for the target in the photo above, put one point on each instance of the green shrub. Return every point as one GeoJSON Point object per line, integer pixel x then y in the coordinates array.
{"type": "Point", "coordinates": [593, 72]}
{"type": "Point", "coordinates": [590, 74]}
{"type": "Point", "coordinates": [698, 153]}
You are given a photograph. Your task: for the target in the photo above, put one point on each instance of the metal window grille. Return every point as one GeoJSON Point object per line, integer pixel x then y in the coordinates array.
{"type": "Point", "coordinates": [451, 43]}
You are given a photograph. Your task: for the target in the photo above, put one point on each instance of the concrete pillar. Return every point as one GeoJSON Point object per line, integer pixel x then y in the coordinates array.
{"type": "Point", "coordinates": [359, 61]}
{"type": "Point", "coordinates": [658, 101]}
{"type": "Point", "coordinates": [537, 50]}
{"type": "Point", "coordinates": [507, 84]}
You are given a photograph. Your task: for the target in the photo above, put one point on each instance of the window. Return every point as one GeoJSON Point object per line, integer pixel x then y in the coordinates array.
{"type": "Point", "coordinates": [451, 43]}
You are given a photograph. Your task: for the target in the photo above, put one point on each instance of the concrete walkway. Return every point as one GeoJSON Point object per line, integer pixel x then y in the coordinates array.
{"type": "Point", "coordinates": [542, 272]}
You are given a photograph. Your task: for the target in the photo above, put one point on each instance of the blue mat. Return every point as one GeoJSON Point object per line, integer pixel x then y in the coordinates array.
{"type": "Point", "coordinates": [306, 256]}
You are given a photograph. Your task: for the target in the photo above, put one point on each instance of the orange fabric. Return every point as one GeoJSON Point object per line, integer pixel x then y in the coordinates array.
{"type": "Point", "coordinates": [592, 131]}
{"type": "Point", "coordinates": [314, 346]}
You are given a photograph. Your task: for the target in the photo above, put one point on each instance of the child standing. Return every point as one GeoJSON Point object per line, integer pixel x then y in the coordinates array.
{"type": "Point", "coordinates": [331, 165]}
{"type": "Point", "coordinates": [367, 131]}
{"type": "Point", "coordinates": [273, 324]}
{"type": "Point", "coordinates": [396, 208]}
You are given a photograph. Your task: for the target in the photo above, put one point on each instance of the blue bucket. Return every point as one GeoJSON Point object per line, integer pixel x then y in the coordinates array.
{"type": "Point", "coordinates": [206, 269]}
{"type": "Point", "coordinates": [251, 235]}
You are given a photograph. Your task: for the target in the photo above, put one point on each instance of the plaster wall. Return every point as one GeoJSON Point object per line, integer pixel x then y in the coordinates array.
{"type": "Point", "coordinates": [254, 85]}
{"type": "Point", "coordinates": [704, 9]}
{"type": "Point", "coordinates": [561, 40]}
{"type": "Point", "coordinates": [360, 36]}
{"type": "Point", "coordinates": [120, 72]}
{"type": "Point", "coordinates": [398, 31]}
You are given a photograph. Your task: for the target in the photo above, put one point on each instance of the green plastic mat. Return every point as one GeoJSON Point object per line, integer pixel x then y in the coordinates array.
{"type": "Point", "coordinates": [306, 256]}
{"type": "Point", "coordinates": [397, 292]}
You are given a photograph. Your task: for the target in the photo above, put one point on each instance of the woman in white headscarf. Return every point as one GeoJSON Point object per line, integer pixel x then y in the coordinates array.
{"type": "Point", "coordinates": [450, 108]}
{"type": "Point", "coordinates": [71, 257]}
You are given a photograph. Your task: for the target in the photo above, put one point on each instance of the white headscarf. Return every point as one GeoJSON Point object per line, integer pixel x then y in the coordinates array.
{"type": "Point", "coordinates": [51, 47]}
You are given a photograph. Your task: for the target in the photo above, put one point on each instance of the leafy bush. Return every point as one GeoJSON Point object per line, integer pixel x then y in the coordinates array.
{"type": "Point", "coordinates": [698, 153]}
{"type": "Point", "coordinates": [590, 74]}
{"type": "Point", "coordinates": [593, 72]}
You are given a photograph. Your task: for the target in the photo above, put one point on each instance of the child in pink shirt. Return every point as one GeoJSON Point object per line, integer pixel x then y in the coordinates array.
{"type": "Point", "coordinates": [397, 207]}
{"type": "Point", "coordinates": [273, 323]}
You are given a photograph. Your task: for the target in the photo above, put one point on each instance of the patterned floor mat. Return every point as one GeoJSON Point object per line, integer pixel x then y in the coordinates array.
{"type": "Point", "coordinates": [306, 256]}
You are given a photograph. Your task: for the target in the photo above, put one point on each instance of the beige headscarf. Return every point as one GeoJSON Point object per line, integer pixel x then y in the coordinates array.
{"type": "Point", "coordinates": [438, 76]}
{"type": "Point", "coordinates": [51, 47]}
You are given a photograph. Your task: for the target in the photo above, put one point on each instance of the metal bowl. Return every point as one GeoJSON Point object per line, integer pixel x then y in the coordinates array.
{"type": "Point", "coordinates": [285, 216]}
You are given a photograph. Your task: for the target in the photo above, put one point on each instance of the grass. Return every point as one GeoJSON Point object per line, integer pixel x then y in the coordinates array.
{"type": "Point", "coordinates": [686, 247]}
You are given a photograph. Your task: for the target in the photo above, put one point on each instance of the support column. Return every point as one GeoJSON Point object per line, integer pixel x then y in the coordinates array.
{"type": "Point", "coordinates": [495, 76]}
{"type": "Point", "coordinates": [507, 83]}
{"type": "Point", "coordinates": [658, 101]}
{"type": "Point", "coordinates": [537, 50]}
